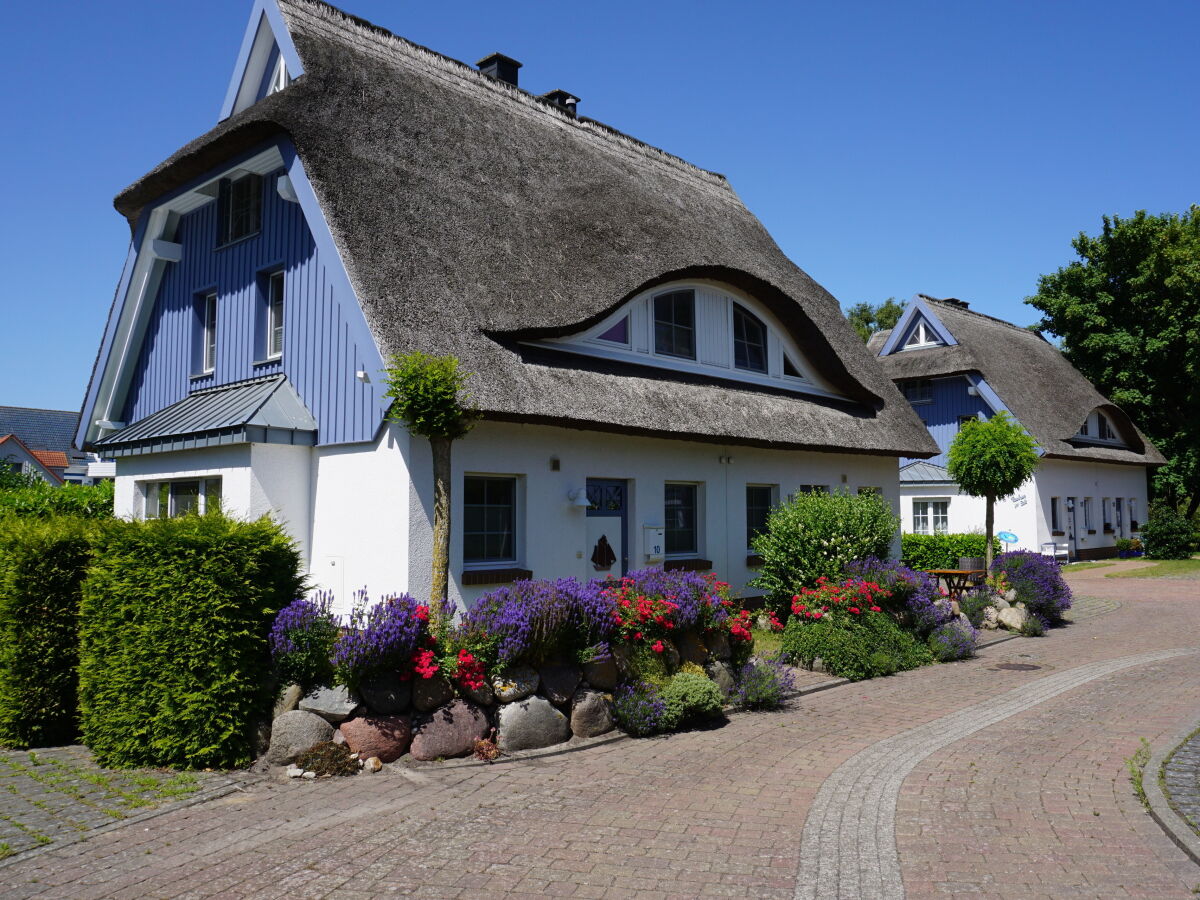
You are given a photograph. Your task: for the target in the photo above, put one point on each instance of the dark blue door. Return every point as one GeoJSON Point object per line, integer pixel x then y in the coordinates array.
{"type": "Point", "coordinates": [608, 527]}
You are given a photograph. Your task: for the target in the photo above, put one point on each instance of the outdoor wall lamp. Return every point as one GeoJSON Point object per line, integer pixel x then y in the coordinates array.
{"type": "Point", "coordinates": [579, 498]}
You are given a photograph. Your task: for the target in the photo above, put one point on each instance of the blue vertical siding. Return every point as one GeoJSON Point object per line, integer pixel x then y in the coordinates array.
{"type": "Point", "coordinates": [319, 356]}
{"type": "Point", "coordinates": [950, 400]}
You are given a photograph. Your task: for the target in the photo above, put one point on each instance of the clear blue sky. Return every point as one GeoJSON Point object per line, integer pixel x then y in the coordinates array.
{"type": "Point", "coordinates": [948, 148]}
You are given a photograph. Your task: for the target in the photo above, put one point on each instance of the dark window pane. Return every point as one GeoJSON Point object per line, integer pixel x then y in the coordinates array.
{"type": "Point", "coordinates": [185, 497]}
{"type": "Point", "coordinates": [489, 519]}
{"type": "Point", "coordinates": [749, 341]}
{"type": "Point", "coordinates": [680, 518]}
{"type": "Point", "coordinates": [473, 546]}
{"type": "Point", "coordinates": [790, 369]}
{"type": "Point", "coordinates": [618, 334]}
{"type": "Point", "coordinates": [473, 490]}
{"type": "Point", "coordinates": [758, 510]}
{"type": "Point", "coordinates": [675, 324]}
{"type": "Point", "coordinates": [212, 495]}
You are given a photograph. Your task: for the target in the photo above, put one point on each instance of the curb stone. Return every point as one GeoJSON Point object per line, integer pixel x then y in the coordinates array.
{"type": "Point", "coordinates": [1176, 826]}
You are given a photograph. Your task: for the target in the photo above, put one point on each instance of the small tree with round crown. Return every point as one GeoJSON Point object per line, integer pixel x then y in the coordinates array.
{"type": "Point", "coordinates": [991, 458]}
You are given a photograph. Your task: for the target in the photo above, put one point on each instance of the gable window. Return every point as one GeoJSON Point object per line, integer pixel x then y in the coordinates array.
{"type": "Point", "coordinates": [675, 324]}
{"type": "Point", "coordinates": [917, 390]}
{"type": "Point", "coordinates": [167, 499]}
{"type": "Point", "coordinates": [208, 343]}
{"type": "Point", "coordinates": [489, 519]}
{"type": "Point", "coordinates": [239, 208]}
{"type": "Point", "coordinates": [922, 336]}
{"type": "Point", "coordinates": [931, 516]}
{"type": "Point", "coordinates": [680, 517]}
{"type": "Point", "coordinates": [760, 498]}
{"type": "Point", "coordinates": [275, 316]}
{"type": "Point", "coordinates": [279, 77]}
{"type": "Point", "coordinates": [749, 341]}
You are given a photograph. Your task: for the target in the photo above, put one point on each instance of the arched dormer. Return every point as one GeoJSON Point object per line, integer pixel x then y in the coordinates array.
{"type": "Point", "coordinates": [1099, 428]}
{"type": "Point", "coordinates": [701, 327]}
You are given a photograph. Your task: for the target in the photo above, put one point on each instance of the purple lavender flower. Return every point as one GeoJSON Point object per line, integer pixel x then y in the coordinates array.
{"type": "Point", "coordinates": [954, 640]}
{"type": "Point", "coordinates": [639, 709]}
{"type": "Point", "coordinates": [914, 593]}
{"type": "Point", "coordinates": [699, 604]}
{"type": "Point", "coordinates": [1038, 582]}
{"type": "Point", "coordinates": [381, 637]}
{"type": "Point", "coordinates": [302, 638]}
{"type": "Point", "coordinates": [763, 683]}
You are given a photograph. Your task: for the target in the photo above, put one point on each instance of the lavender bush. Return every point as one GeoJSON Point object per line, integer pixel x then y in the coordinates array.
{"type": "Point", "coordinates": [302, 639]}
{"type": "Point", "coordinates": [954, 640]}
{"type": "Point", "coordinates": [639, 709]}
{"type": "Point", "coordinates": [699, 603]}
{"type": "Point", "coordinates": [763, 683]}
{"type": "Point", "coordinates": [1037, 581]}
{"type": "Point", "coordinates": [381, 637]}
{"type": "Point", "coordinates": [915, 596]}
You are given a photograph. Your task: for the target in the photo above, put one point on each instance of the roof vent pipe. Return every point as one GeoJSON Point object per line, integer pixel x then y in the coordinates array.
{"type": "Point", "coordinates": [563, 100]}
{"type": "Point", "coordinates": [501, 67]}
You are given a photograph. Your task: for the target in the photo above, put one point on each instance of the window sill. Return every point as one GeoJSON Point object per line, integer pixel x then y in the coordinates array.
{"type": "Point", "coordinates": [269, 361]}
{"type": "Point", "coordinates": [753, 561]}
{"type": "Point", "coordinates": [472, 577]}
{"type": "Point", "coordinates": [687, 565]}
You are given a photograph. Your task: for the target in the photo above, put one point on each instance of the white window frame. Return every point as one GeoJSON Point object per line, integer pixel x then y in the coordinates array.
{"type": "Point", "coordinates": [279, 77]}
{"type": "Point", "coordinates": [276, 314]}
{"type": "Point", "coordinates": [921, 337]}
{"type": "Point", "coordinates": [208, 347]}
{"type": "Point", "coordinates": [697, 550]}
{"type": "Point", "coordinates": [518, 524]}
{"type": "Point", "coordinates": [151, 499]}
{"type": "Point", "coordinates": [1087, 514]}
{"type": "Point", "coordinates": [929, 519]}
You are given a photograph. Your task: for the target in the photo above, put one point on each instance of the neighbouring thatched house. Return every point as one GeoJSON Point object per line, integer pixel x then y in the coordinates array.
{"type": "Point", "coordinates": [953, 363]}
{"type": "Point", "coordinates": [653, 371]}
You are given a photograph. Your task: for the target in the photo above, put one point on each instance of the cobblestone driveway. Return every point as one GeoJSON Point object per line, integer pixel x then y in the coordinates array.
{"type": "Point", "coordinates": [1036, 804]}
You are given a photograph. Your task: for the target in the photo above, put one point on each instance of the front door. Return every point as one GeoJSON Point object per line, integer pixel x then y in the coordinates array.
{"type": "Point", "coordinates": [607, 527]}
{"type": "Point", "coordinates": [1072, 540]}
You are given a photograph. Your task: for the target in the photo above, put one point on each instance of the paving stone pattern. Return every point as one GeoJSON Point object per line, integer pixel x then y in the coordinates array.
{"type": "Point", "coordinates": [1036, 805]}
{"type": "Point", "coordinates": [1181, 776]}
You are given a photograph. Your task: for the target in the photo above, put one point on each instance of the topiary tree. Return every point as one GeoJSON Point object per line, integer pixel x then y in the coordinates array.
{"type": "Point", "coordinates": [991, 458]}
{"type": "Point", "coordinates": [427, 394]}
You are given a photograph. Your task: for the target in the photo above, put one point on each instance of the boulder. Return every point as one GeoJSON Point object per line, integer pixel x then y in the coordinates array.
{"type": "Point", "coordinates": [372, 765]}
{"type": "Point", "coordinates": [991, 618]}
{"type": "Point", "coordinates": [531, 723]}
{"type": "Point", "coordinates": [559, 682]}
{"type": "Point", "coordinates": [721, 675]}
{"type": "Point", "coordinates": [591, 713]}
{"type": "Point", "coordinates": [333, 704]}
{"type": "Point", "coordinates": [1000, 603]}
{"type": "Point", "coordinates": [483, 695]}
{"type": "Point", "coordinates": [1013, 618]}
{"type": "Point", "coordinates": [386, 695]}
{"type": "Point", "coordinates": [718, 645]}
{"type": "Point", "coordinates": [430, 693]}
{"type": "Point", "coordinates": [450, 730]}
{"type": "Point", "coordinates": [1010, 596]}
{"type": "Point", "coordinates": [293, 733]}
{"type": "Point", "coordinates": [818, 665]}
{"type": "Point", "coordinates": [288, 699]}
{"type": "Point", "coordinates": [384, 736]}
{"type": "Point", "coordinates": [515, 684]}
{"type": "Point", "coordinates": [601, 673]}
{"type": "Point", "coordinates": [338, 737]}
{"type": "Point", "coordinates": [691, 648]}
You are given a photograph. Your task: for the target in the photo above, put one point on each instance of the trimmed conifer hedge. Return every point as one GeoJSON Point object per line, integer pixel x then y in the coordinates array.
{"type": "Point", "coordinates": [42, 567]}
{"type": "Point", "coordinates": [174, 662]}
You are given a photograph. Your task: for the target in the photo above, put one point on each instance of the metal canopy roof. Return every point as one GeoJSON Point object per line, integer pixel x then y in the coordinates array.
{"type": "Point", "coordinates": [261, 410]}
{"type": "Point", "coordinates": [923, 472]}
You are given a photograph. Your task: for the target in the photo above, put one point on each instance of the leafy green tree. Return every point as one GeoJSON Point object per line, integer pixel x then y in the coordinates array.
{"type": "Point", "coordinates": [427, 394]}
{"type": "Point", "coordinates": [1128, 314]}
{"type": "Point", "coordinates": [992, 458]}
{"type": "Point", "coordinates": [867, 319]}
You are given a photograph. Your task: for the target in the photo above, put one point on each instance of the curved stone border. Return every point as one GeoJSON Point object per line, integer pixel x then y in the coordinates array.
{"type": "Point", "coordinates": [848, 848]}
{"type": "Point", "coordinates": [1178, 829]}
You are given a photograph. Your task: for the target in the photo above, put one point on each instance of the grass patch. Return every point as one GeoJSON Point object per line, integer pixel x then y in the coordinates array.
{"type": "Point", "coordinates": [1137, 770]}
{"type": "Point", "coordinates": [1163, 568]}
{"type": "Point", "coordinates": [1083, 566]}
{"type": "Point", "coordinates": [767, 643]}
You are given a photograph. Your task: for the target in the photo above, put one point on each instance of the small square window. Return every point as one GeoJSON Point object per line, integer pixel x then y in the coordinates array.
{"type": "Point", "coordinates": [239, 208]}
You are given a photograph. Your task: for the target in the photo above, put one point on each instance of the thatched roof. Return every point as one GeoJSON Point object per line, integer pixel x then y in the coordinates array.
{"type": "Point", "coordinates": [472, 215]}
{"type": "Point", "coordinates": [1044, 392]}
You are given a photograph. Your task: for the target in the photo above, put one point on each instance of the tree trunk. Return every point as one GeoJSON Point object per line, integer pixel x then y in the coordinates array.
{"type": "Point", "coordinates": [441, 529]}
{"type": "Point", "coordinates": [989, 522]}
{"type": "Point", "coordinates": [1193, 505]}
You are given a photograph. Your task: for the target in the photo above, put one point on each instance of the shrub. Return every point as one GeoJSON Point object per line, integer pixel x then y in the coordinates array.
{"type": "Point", "coordinates": [852, 639]}
{"type": "Point", "coordinates": [639, 709]}
{"type": "Point", "coordinates": [33, 498]}
{"type": "Point", "coordinates": [974, 604]}
{"type": "Point", "coordinates": [42, 566]}
{"type": "Point", "coordinates": [690, 699]}
{"type": "Point", "coordinates": [763, 683]}
{"type": "Point", "coordinates": [174, 652]}
{"type": "Point", "coordinates": [942, 551]}
{"type": "Point", "coordinates": [954, 640]}
{"type": "Point", "coordinates": [1038, 582]}
{"type": "Point", "coordinates": [302, 640]}
{"type": "Point", "coordinates": [815, 535]}
{"type": "Point", "coordinates": [1167, 534]}
{"type": "Point", "coordinates": [1034, 626]}
{"type": "Point", "coordinates": [381, 637]}
{"type": "Point", "coordinates": [912, 596]}
{"type": "Point", "coordinates": [328, 758]}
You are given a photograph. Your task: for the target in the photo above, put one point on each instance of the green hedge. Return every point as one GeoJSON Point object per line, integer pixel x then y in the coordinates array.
{"type": "Point", "coordinates": [942, 551]}
{"type": "Point", "coordinates": [34, 498]}
{"type": "Point", "coordinates": [174, 663]}
{"type": "Point", "coordinates": [42, 567]}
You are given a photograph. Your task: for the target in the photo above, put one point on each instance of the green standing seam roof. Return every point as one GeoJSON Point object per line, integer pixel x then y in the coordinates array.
{"type": "Point", "coordinates": [924, 473]}
{"type": "Point", "coordinates": [261, 410]}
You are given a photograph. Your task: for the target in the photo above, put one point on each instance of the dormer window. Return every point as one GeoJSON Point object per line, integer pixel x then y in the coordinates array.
{"type": "Point", "coordinates": [749, 341]}
{"type": "Point", "coordinates": [922, 336]}
{"type": "Point", "coordinates": [1106, 431]}
{"type": "Point", "coordinates": [617, 334]}
{"type": "Point", "coordinates": [675, 324]}
{"type": "Point", "coordinates": [1097, 428]}
{"type": "Point", "coordinates": [239, 208]}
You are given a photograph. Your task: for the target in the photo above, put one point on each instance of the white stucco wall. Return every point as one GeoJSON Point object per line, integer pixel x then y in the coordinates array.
{"type": "Point", "coordinates": [231, 464]}
{"type": "Point", "coordinates": [1027, 512]}
{"type": "Point", "coordinates": [553, 541]}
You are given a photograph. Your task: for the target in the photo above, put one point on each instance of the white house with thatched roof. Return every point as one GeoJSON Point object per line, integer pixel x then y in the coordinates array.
{"type": "Point", "coordinates": [952, 364]}
{"type": "Point", "coordinates": [653, 372]}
